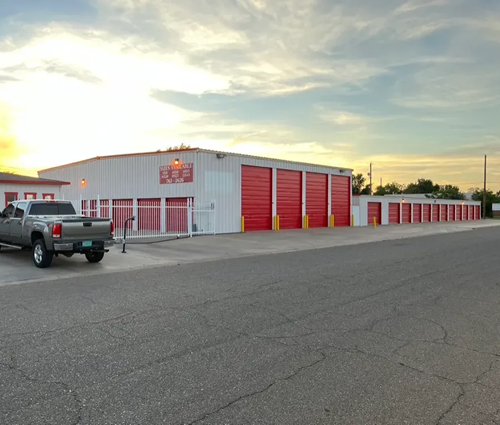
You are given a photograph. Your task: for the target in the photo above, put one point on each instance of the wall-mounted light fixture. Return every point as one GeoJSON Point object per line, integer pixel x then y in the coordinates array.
{"type": "Point", "coordinates": [221, 155]}
{"type": "Point", "coordinates": [177, 161]}
{"type": "Point", "coordinates": [341, 171]}
{"type": "Point", "coordinates": [83, 182]}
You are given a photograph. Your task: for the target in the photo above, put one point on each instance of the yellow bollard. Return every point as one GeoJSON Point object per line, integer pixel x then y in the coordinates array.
{"type": "Point", "coordinates": [352, 221]}
{"type": "Point", "coordinates": [242, 224]}
{"type": "Point", "coordinates": [332, 221]}
{"type": "Point", "coordinates": [374, 222]}
{"type": "Point", "coordinates": [278, 221]}
{"type": "Point", "coordinates": [306, 219]}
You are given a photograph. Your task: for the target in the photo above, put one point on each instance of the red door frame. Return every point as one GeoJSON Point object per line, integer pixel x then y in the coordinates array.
{"type": "Point", "coordinates": [7, 194]}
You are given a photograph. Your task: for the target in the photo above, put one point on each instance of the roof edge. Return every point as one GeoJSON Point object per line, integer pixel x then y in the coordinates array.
{"type": "Point", "coordinates": [36, 182]}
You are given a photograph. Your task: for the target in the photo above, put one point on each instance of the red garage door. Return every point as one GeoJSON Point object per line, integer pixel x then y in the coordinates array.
{"type": "Point", "coordinates": [435, 213]}
{"type": "Point", "coordinates": [465, 213]}
{"type": "Point", "coordinates": [122, 209]}
{"type": "Point", "coordinates": [406, 213]}
{"type": "Point", "coordinates": [451, 212]}
{"type": "Point", "coordinates": [444, 212]}
{"type": "Point", "coordinates": [417, 213]}
{"type": "Point", "coordinates": [394, 213]}
{"type": "Point", "coordinates": [478, 212]}
{"type": "Point", "coordinates": [176, 216]}
{"type": "Point", "coordinates": [459, 212]}
{"type": "Point", "coordinates": [427, 213]}
{"type": "Point", "coordinates": [341, 200]}
{"type": "Point", "coordinates": [471, 212]}
{"type": "Point", "coordinates": [289, 199]}
{"type": "Point", "coordinates": [149, 215]}
{"type": "Point", "coordinates": [256, 197]}
{"type": "Point", "coordinates": [317, 199]}
{"type": "Point", "coordinates": [374, 211]}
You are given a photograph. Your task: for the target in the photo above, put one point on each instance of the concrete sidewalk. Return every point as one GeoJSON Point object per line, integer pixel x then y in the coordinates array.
{"type": "Point", "coordinates": [16, 266]}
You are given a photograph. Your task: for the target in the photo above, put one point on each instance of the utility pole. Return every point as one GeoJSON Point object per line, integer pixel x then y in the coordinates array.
{"type": "Point", "coordinates": [371, 179]}
{"type": "Point", "coordinates": [484, 191]}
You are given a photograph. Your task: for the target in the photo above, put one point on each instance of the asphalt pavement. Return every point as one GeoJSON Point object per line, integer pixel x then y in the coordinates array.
{"type": "Point", "coordinates": [395, 332]}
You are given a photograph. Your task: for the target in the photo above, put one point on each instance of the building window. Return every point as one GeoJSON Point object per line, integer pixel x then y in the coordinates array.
{"type": "Point", "coordinates": [29, 195]}
{"type": "Point", "coordinates": [10, 197]}
{"type": "Point", "coordinates": [48, 196]}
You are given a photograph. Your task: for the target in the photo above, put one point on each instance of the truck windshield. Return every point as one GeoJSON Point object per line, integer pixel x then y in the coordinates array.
{"type": "Point", "coordinates": [52, 209]}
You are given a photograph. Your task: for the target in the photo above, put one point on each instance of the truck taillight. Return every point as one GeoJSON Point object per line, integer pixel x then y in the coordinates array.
{"type": "Point", "coordinates": [112, 228]}
{"type": "Point", "coordinates": [57, 230]}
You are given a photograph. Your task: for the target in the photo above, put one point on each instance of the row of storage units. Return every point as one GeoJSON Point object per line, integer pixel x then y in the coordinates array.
{"type": "Point", "coordinates": [371, 210]}
{"type": "Point", "coordinates": [282, 199]}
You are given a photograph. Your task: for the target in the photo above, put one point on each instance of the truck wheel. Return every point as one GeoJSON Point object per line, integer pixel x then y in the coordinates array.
{"type": "Point", "coordinates": [94, 257]}
{"type": "Point", "coordinates": [42, 257]}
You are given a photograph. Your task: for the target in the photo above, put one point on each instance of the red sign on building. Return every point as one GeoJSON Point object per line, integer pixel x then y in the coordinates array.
{"type": "Point", "coordinates": [171, 174]}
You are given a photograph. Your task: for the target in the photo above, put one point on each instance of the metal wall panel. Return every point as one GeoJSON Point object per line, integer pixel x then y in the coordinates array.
{"type": "Point", "coordinates": [21, 189]}
{"type": "Point", "coordinates": [216, 177]}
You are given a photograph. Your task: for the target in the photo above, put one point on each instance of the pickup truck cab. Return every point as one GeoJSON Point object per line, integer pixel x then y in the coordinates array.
{"type": "Point", "coordinates": [51, 228]}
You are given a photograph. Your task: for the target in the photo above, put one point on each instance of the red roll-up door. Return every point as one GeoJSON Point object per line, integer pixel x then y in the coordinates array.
{"type": "Point", "coordinates": [394, 213]}
{"type": "Point", "coordinates": [257, 197]}
{"type": "Point", "coordinates": [149, 214]}
{"type": "Point", "coordinates": [444, 212]}
{"type": "Point", "coordinates": [341, 200]}
{"type": "Point", "coordinates": [406, 213]}
{"type": "Point", "coordinates": [417, 213]}
{"type": "Point", "coordinates": [317, 199]}
{"type": "Point", "coordinates": [452, 212]}
{"type": "Point", "coordinates": [465, 213]}
{"type": "Point", "coordinates": [459, 213]}
{"type": "Point", "coordinates": [435, 213]}
{"type": "Point", "coordinates": [374, 211]}
{"type": "Point", "coordinates": [471, 212]}
{"type": "Point", "coordinates": [427, 213]}
{"type": "Point", "coordinates": [478, 212]}
{"type": "Point", "coordinates": [176, 216]}
{"type": "Point", "coordinates": [122, 210]}
{"type": "Point", "coordinates": [289, 199]}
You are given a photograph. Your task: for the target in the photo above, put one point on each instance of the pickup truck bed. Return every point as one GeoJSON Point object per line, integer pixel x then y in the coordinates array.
{"type": "Point", "coordinates": [50, 228]}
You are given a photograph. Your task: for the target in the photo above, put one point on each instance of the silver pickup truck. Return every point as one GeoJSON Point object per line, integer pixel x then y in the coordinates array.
{"type": "Point", "coordinates": [51, 228]}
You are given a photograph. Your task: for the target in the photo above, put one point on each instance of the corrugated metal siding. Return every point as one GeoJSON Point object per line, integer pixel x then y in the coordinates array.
{"type": "Point", "coordinates": [394, 210]}
{"type": "Point", "coordinates": [289, 199]}
{"type": "Point", "coordinates": [257, 197]}
{"type": "Point", "coordinates": [341, 200]}
{"type": "Point", "coordinates": [317, 199]}
{"type": "Point", "coordinates": [138, 177]}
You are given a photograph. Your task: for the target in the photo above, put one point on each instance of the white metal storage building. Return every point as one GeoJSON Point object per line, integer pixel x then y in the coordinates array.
{"type": "Point", "coordinates": [234, 191]}
{"type": "Point", "coordinates": [408, 209]}
{"type": "Point", "coordinates": [15, 187]}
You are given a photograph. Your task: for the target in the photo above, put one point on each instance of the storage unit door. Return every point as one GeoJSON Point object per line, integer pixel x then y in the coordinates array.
{"type": "Point", "coordinates": [444, 212]}
{"type": "Point", "coordinates": [341, 200]}
{"type": "Point", "coordinates": [465, 212]}
{"type": "Point", "coordinates": [289, 199]}
{"type": "Point", "coordinates": [417, 213]}
{"type": "Point", "coordinates": [435, 213]}
{"type": "Point", "coordinates": [406, 213]}
{"type": "Point", "coordinates": [478, 212]}
{"type": "Point", "coordinates": [427, 213]}
{"type": "Point", "coordinates": [257, 197]}
{"type": "Point", "coordinates": [317, 199]}
{"type": "Point", "coordinates": [176, 216]}
{"type": "Point", "coordinates": [149, 215]}
{"type": "Point", "coordinates": [122, 210]}
{"type": "Point", "coordinates": [471, 212]}
{"type": "Point", "coordinates": [459, 214]}
{"type": "Point", "coordinates": [394, 213]}
{"type": "Point", "coordinates": [374, 211]}
{"type": "Point", "coordinates": [451, 212]}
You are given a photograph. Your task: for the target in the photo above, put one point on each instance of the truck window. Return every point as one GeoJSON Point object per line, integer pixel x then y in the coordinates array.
{"type": "Point", "coordinates": [9, 211]}
{"type": "Point", "coordinates": [52, 209]}
{"type": "Point", "coordinates": [20, 208]}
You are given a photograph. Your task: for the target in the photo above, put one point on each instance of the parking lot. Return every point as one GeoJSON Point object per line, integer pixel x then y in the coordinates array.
{"type": "Point", "coordinates": [394, 332]}
{"type": "Point", "coordinates": [17, 267]}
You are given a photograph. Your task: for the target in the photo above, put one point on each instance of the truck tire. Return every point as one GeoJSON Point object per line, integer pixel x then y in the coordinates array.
{"type": "Point", "coordinates": [42, 257]}
{"type": "Point", "coordinates": [94, 257]}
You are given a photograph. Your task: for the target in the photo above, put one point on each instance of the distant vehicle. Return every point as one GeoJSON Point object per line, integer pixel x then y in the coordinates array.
{"type": "Point", "coordinates": [51, 228]}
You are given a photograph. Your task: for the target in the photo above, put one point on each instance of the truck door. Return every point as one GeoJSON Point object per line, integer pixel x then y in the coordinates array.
{"type": "Point", "coordinates": [16, 224]}
{"type": "Point", "coordinates": [5, 219]}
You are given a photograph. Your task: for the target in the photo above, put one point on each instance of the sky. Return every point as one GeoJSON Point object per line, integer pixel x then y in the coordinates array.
{"type": "Point", "coordinates": [412, 86]}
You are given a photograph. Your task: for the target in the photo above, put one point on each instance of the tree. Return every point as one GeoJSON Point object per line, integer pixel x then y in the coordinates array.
{"type": "Point", "coordinates": [422, 186]}
{"type": "Point", "coordinates": [178, 148]}
{"type": "Point", "coordinates": [448, 191]}
{"type": "Point", "coordinates": [366, 190]}
{"type": "Point", "coordinates": [358, 183]}
{"type": "Point", "coordinates": [491, 198]}
{"type": "Point", "coordinates": [393, 188]}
